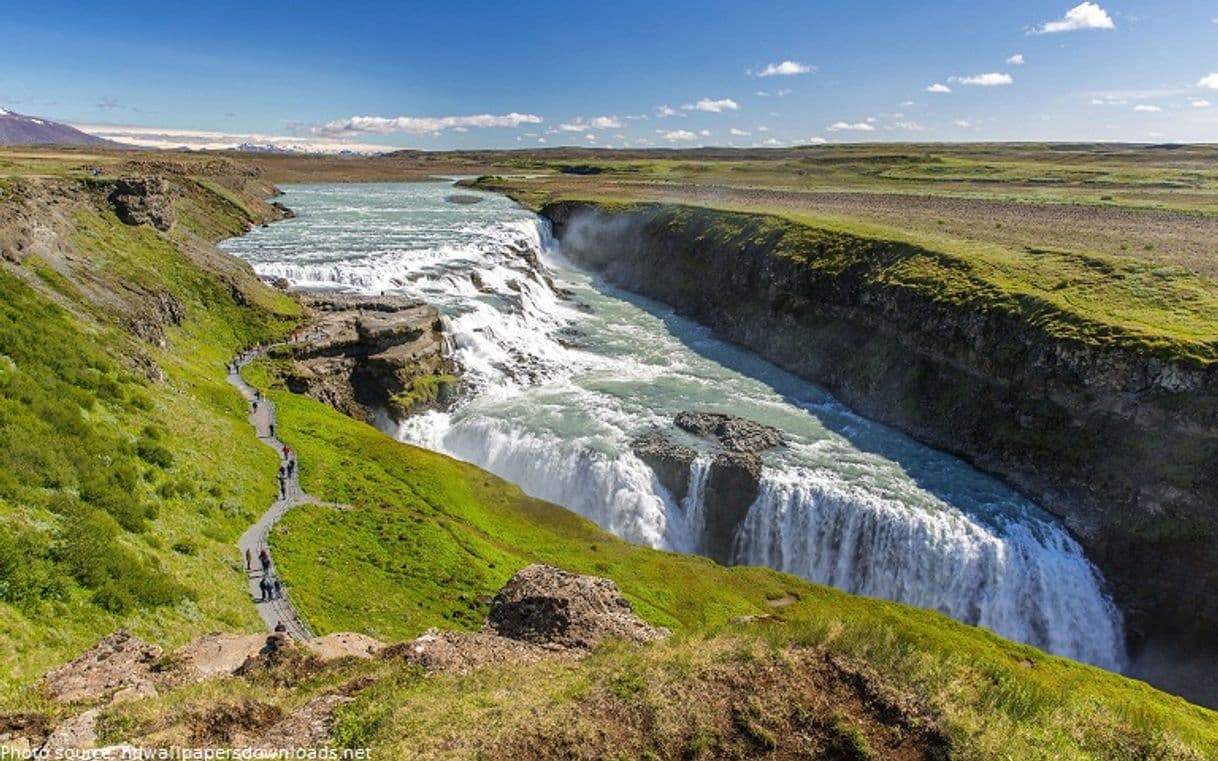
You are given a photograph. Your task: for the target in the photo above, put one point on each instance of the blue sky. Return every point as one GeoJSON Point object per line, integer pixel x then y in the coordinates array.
{"type": "Point", "coordinates": [497, 74]}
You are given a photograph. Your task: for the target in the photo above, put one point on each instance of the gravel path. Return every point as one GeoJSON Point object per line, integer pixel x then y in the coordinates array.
{"type": "Point", "coordinates": [255, 540]}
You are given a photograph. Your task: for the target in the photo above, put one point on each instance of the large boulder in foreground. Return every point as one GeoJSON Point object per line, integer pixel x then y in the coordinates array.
{"type": "Point", "coordinates": [119, 662]}
{"type": "Point", "coordinates": [545, 605]}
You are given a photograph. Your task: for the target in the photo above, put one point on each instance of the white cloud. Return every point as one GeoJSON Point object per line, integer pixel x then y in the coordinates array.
{"type": "Point", "coordinates": [591, 138]}
{"type": "Point", "coordinates": [784, 69]}
{"type": "Point", "coordinates": [909, 126]}
{"type": "Point", "coordinates": [763, 128]}
{"type": "Point", "coordinates": [1085, 15]}
{"type": "Point", "coordinates": [963, 123]}
{"type": "Point", "coordinates": [739, 132]}
{"type": "Point", "coordinates": [991, 79]}
{"type": "Point", "coordinates": [541, 139]}
{"type": "Point", "coordinates": [704, 132]}
{"type": "Point", "coordinates": [1200, 103]}
{"type": "Point", "coordinates": [938, 87]}
{"type": "Point", "coordinates": [677, 134]}
{"type": "Point", "coordinates": [1209, 81]}
{"type": "Point", "coordinates": [1147, 109]}
{"type": "Point", "coordinates": [1016, 60]}
{"type": "Point", "coordinates": [712, 106]}
{"type": "Point", "coordinates": [906, 103]}
{"type": "Point", "coordinates": [600, 122]}
{"type": "Point", "coordinates": [213, 140]}
{"type": "Point", "coordinates": [770, 143]}
{"type": "Point", "coordinates": [665, 111]}
{"type": "Point", "coordinates": [848, 126]}
{"type": "Point", "coordinates": [383, 125]}
{"type": "Point", "coordinates": [1109, 101]}
{"type": "Point", "coordinates": [814, 141]}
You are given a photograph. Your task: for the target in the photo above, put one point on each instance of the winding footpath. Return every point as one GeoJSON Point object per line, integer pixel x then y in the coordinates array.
{"type": "Point", "coordinates": [255, 540]}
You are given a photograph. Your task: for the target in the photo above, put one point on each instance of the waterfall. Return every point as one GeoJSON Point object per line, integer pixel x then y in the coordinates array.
{"type": "Point", "coordinates": [560, 380]}
{"type": "Point", "coordinates": [1032, 586]}
{"type": "Point", "coordinates": [693, 506]}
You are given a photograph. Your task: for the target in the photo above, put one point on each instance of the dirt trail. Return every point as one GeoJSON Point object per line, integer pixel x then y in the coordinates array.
{"type": "Point", "coordinates": [255, 541]}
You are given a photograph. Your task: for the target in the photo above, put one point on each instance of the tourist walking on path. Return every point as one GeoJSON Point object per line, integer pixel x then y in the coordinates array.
{"type": "Point", "coordinates": [266, 589]}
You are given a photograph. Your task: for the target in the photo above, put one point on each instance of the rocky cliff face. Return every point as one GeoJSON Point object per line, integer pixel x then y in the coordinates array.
{"type": "Point", "coordinates": [1122, 445]}
{"type": "Point", "coordinates": [733, 476]}
{"type": "Point", "coordinates": [364, 355]}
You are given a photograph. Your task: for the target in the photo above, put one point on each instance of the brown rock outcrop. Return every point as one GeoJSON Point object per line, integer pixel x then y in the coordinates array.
{"type": "Point", "coordinates": [365, 355]}
{"type": "Point", "coordinates": [117, 662]}
{"type": "Point", "coordinates": [144, 200]}
{"type": "Point", "coordinates": [545, 605]}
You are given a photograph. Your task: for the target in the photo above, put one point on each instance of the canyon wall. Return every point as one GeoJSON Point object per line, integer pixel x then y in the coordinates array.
{"type": "Point", "coordinates": [1121, 444]}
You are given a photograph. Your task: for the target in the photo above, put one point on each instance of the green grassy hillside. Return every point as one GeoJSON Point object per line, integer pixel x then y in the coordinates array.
{"type": "Point", "coordinates": [126, 468]}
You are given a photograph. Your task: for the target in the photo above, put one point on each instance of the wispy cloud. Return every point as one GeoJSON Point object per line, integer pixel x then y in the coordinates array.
{"type": "Point", "coordinates": [1199, 103]}
{"type": "Point", "coordinates": [1145, 108]}
{"type": "Point", "coordinates": [938, 87]}
{"type": "Point", "coordinates": [665, 111]}
{"type": "Point", "coordinates": [783, 69]}
{"type": "Point", "coordinates": [1209, 81]}
{"type": "Point", "coordinates": [215, 140]}
{"type": "Point", "coordinates": [712, 106]}
{"type": "Point", "coordinates": [385, 125]}
{"type": "Point", "coordinates": [739, 132]}
{"type": "Point", "coordinates": [1085, 15]}
{"type": "Point", "coordinates": [677, 134]}
{"type": "Point", "coordinates": [780, 93]}
{"type": "Point", "coordinates": [110, 104]}
{"type": "Point", "coordinates": [579, 124]}
{"type": "Point", "coordinates": [908, 126]}
{"type": "Point", "coordinates": [1016, 60]}
{"type": "Point", "coordinates": [991, 79]}
{"type": "Point", "coordinates": [963, 123]}
{"type": "Point", "coordinates": [851, 127]}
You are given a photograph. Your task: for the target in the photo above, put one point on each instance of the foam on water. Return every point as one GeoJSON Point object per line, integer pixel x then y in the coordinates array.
{"type": "Point", "coordinates": [560, 381]}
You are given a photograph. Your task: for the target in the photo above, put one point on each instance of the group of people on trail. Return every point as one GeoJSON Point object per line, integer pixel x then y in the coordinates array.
{"type": "Point", "coordinates": [271, 588]}
{"type": "Point", "coordinates": [286, 470]}
{"type": "Point", "coordinates": [269, 585]}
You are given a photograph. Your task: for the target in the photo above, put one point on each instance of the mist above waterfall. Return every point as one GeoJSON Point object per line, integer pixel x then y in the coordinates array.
{"type": "Point", "coordinates": [562, 378]}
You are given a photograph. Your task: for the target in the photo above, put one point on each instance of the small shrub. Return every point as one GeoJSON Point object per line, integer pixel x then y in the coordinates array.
{"type": "Point", "coordinates": [847, 741]}
{"type": "Point", "coordinates": [626, 686]}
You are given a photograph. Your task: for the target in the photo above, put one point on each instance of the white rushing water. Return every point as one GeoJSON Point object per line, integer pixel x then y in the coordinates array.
{"type": "Point", "coordinates": [558, 386]}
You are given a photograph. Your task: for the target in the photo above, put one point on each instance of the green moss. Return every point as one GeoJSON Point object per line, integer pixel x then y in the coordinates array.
{"type": "Point", "coordinates": [422, 390]}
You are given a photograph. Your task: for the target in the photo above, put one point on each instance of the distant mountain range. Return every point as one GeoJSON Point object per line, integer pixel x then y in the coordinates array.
{"type": "Point", "coordinates": [19, 129]}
